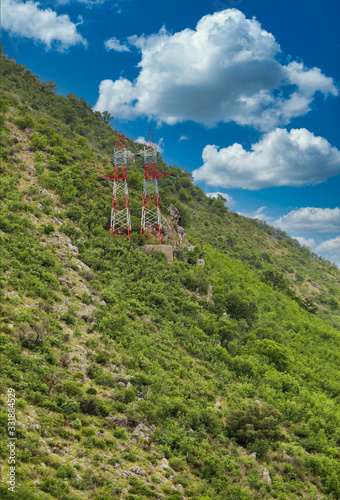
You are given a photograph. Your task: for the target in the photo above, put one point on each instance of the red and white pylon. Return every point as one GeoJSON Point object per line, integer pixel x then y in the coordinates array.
{"type": "Point", "coordinates": [151, 223]}
{"type": "Point", "coordinates": [120, 213]}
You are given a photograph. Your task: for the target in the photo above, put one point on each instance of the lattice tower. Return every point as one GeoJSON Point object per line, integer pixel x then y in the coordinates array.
{"type": "Point", "coordinates": [151, 223]}
{"type": "Point", "coordinates": [120, 213]}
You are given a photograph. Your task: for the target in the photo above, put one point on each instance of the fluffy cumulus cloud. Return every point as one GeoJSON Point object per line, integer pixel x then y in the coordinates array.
{"type": "Point", "coordinates": [42, 25]}
{"type": "Point", "coordinates": [230, 200]}
{"type": "Point", "coordinates": [114, 44]}
{"type": "Point", "coordinates": [332, 245]}
{"type": "Point", "coordinates": [280, 158]}
{"type": "Point", "coordinates": [307, 242]}
{"type": "Point", "coordinates": [310, 220]}
{"type": "Point", "coordinates": [227, 69]}
{"type": "Point", "coordinates": [330, 249]}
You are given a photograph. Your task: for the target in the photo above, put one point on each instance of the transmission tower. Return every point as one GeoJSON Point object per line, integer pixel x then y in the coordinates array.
{"type": "Point", "coordinates": [151, 224]}
{"type": "Point", "coordinates": [120, 213]}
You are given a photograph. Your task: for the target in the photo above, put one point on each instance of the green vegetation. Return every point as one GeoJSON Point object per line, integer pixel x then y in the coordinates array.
{"type": "Point", "coordinates": [137, 378]}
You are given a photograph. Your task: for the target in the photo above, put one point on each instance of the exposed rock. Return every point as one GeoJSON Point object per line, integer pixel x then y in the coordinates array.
{"type": "Point", "coordinates": [81, 264]}
{"type": "Point", "coordinates": [173, 233]}
{"type": "Point", "coordinates": [121, 422]}
{"type": "Point", "coordinates": [253, 455]}
{"type": "Point", "coordinates": [139, 471]}
{"type": "Point", "coordinates": [165, 462]}
{"type": "Point", "coordinates": [58, 451]}
{"type": "Point", "coordinates": [35, 427]}
{"type": "Point", "coordinates": [125, 473]}
{"type": "Point", "coordinates": [56, 221]}
{"type": "Point", "coordinates": [174, 213]}
{"type": "Point", "coordinates": [64, 243]}
{"type": "Point", "coordinates": [11, 295]}
{"type": "Point", "coordinates": [141, 429]}
{"type": "Point", "coordinates": [209, 296]}
{"type": "Point", "coordinates": [266, 476]}
{"type": "Point", "coordinates": [218, 406]}
{"type": "Point", "coordinates": [64, 281]}
{"type": "Point", "coordinates": [200, 262]}
{"type": "Point", "coordinates": [77, 477]}
{"type": "Point", "coordinates": [44, 191]}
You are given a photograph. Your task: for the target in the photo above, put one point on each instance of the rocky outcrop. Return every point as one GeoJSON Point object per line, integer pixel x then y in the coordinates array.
{"type": "Point", "coordinates": [174, 234]}
{"type": "Point", "coordinates": [63, 244]}
{"type": "Point", "coordinates": [174, 213]}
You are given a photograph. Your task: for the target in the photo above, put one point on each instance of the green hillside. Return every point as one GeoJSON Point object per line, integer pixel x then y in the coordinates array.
{"type": "Point", "coordinates": [138, 378]}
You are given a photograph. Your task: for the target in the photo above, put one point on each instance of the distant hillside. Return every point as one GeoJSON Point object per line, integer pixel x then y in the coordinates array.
{"type": "Point", "coordinates": [137, 378]}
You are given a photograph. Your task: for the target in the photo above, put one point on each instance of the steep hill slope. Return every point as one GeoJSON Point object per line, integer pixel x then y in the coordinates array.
{"type": "Point", "coordinates": [137, 378]}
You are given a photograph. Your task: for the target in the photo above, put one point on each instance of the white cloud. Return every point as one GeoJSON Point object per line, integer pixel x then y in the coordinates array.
{"type": "Point", "coordinates": [330, 249]}
{"type": "Point", "coordinates": [227, 69]}
{"type": "Point", "coordinates": [280, 158]}
{"type": "Point", "coordinates": [332, 245]}
{"type": "Point", "coordinates": [88, 3]}
{"type": "Point", "coordinates": [257, 214]}
{"type": "Point", "coordinates": [307, 242]}
{"type": "Point", "coordinates": [42, 25]}
{"type": "Point", "coordinates": [114, 44]}
{"type": "Point", "coordinates": [230, 200]}
{"type": "Point", "coordinates": [183, 138]}
{"type": "Point", "coordinates": [159, 145]}
{"type": "Point", "coordinates": [310, 219]}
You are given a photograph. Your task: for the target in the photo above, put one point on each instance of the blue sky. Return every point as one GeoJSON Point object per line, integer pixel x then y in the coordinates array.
{"type": "Point", "coordinates": [243, 93]}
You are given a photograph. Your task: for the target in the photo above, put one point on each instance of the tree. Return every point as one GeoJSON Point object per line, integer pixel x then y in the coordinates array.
{"type": "Point", "coordinates": [107, 117]}
{"type": "Point", "coordinates": [254, 421]}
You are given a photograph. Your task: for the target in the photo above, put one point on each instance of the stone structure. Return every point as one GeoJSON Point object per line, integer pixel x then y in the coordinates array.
{"type": "Point", "coordinates": [167, 249]}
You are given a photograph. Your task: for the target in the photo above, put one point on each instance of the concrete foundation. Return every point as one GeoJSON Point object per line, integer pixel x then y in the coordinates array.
{"type": "Point", "coordinates": [167, 249]}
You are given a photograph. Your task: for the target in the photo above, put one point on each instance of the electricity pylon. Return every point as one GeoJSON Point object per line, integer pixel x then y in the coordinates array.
{"type": "Point", "coordinates": [120, 213]}
{"type": "Point", "coordinates": [151, 223]}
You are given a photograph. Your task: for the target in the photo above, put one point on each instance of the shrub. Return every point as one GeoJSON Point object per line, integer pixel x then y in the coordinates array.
{"type": "Point", "coordinates": [68, 405]}
{"type": "Point", "coordinates": [76, 424]}
{"type": "Point", "coordinates": [274, 352]}
{"type": "Point", "coordinates": [93, 406]}
{"type": "Point", "coordinates": [65, 471]}
{"type": "Point", "coordinates": [254, 422]}
{"type": "Point", "coordinates": [38, 143]}
{"type": "Point", "coordinates": [56, 487]}
{"type": "Point", "coordinates": [48, 228]}
{"type": "Point", "coordinates": [120, 433]}
{"type": "Point", "coordinates": [24, 122]}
